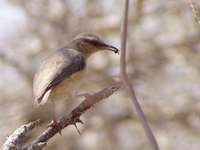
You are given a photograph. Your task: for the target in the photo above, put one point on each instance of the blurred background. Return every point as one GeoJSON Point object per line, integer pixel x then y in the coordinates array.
{"type": "Point", "coordinates": [163, 63]}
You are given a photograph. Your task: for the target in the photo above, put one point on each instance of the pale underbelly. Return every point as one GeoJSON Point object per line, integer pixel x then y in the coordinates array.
{"type": "Point", "coordinates": [67, 88]}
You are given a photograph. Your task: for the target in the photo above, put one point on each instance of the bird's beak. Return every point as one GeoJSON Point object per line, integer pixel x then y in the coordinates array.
{"type": "Point", "coordinates": [110, 48]}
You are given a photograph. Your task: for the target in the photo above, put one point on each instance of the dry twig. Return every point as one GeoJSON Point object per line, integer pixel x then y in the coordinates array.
{"type": "Point", "coordinates": [127, 83]}
{"type": "Point", "coordinates": [14, 141]}
{"type": "Point", "coordinates": [69, 119]}
{"type": "Point", "coordinates": [195, 11]}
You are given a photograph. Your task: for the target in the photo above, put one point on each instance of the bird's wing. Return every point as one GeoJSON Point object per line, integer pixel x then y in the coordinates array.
{"type": "Point", "coordinates": [55, 69]}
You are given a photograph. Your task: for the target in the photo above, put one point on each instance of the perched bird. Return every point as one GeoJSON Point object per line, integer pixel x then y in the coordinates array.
{"type": "Point", "coordinates": [60, 73]}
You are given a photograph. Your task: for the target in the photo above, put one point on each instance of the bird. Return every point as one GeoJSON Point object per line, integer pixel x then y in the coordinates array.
{"type": "Point", "coordinates": [60, 72]}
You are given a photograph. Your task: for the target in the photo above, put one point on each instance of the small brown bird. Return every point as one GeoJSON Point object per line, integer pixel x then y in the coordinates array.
{"type": "Point", "coordinates": [60, 73]}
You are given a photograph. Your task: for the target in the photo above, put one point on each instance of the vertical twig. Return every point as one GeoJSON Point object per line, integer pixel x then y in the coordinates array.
{"type": "Point", "coordinates": [127, 83]}
{"type": "Point", "coordinates": [195, 11]}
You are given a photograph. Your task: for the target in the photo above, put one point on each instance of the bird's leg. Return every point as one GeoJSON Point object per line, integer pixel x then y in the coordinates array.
{"type": "Point", "coordinates": [54, 123]}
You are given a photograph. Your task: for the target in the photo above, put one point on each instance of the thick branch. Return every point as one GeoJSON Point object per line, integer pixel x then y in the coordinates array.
{"type": "Point", "coordinates": [14, 141]}
{"type": "Point", "coordinates": [127, 83]}
{"type": "Point", "coordinates": [74, 116]}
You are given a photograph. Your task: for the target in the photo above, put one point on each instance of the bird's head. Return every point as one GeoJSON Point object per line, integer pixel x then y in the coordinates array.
{"type": "Point", "coordinates": [90, 43]}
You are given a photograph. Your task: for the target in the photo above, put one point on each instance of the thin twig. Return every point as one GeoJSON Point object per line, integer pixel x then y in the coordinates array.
{"type": "Point", "coordinates": [127, 83]}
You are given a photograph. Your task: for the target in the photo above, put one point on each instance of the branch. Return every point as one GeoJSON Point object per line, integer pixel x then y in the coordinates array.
{"type": "Point", "coordinates": [127, 83]}
{"type": "Point", "coordinates": [14, 141]}
{"type": "Point", "coordinates": [195, 11]}
{"type": "Point", "coordinates": [69, 119]}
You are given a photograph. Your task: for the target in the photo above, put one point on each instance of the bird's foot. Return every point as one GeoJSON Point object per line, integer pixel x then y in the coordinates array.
{"type": "Point", "coordinates": [55, 124]}
{"type": "Point", "coordinates": [75, 121]}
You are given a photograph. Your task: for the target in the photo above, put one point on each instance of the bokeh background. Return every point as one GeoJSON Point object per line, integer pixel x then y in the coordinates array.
{"type": "Point", "coordinates": [163, 64]}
